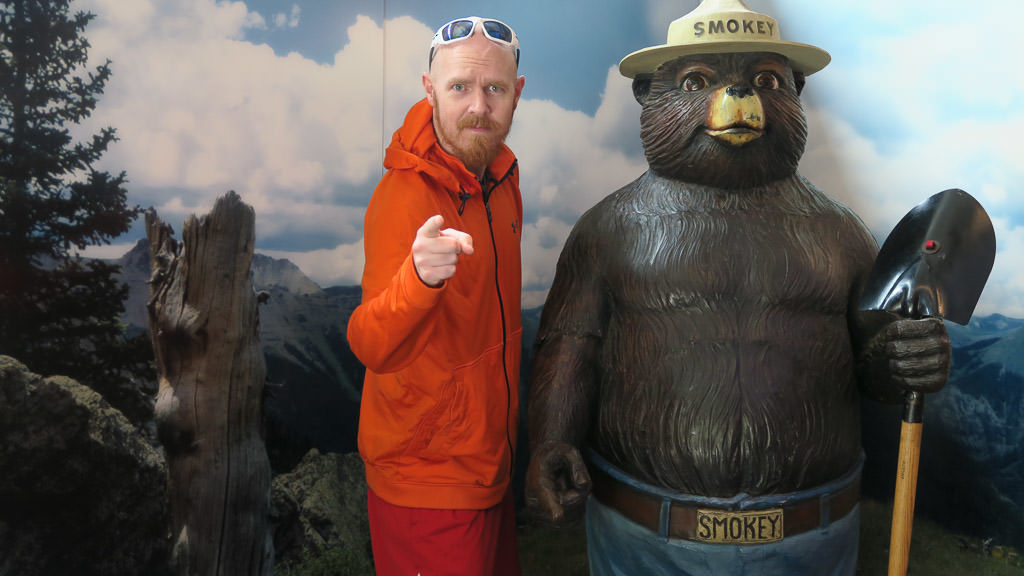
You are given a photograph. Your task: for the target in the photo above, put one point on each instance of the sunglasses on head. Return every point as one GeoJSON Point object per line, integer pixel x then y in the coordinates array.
{"type": "Point", "coordinates": [463, 28]}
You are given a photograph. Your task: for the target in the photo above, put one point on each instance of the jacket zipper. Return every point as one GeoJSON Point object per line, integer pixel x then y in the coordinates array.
{"type": "Point", "coordinates": [504, 325]}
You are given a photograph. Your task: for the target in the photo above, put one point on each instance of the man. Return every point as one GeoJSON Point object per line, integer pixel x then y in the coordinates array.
{"type": "Point", "coordinates": [439, 325]}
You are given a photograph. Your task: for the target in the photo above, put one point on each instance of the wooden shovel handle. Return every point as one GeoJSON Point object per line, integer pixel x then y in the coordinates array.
{"type": "Point", "coordinates": [903, 501]}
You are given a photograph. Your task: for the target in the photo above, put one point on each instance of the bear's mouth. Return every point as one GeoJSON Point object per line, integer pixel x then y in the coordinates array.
{"type": "Point", "coordinates": [736, 134]}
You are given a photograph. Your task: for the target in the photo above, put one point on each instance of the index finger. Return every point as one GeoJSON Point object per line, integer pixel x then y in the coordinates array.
{"type": "Point", "coordinates": [548, 501]}
{"type": "Point", "coordinates": [465, 240]}
{"type": "Point", "coordinates": [916, 328]}
{"type": "Point", "coordinates": [580, 475]}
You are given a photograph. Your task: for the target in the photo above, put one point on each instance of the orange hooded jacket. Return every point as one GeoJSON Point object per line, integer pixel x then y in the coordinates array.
{"type": "Point", "coordinates": [440, 404]}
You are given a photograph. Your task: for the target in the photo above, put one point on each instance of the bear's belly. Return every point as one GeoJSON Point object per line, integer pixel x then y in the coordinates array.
{"type": "Point", "coordinates": [722, 402]}
{"type": "Point", "coordinates": [726, 361]}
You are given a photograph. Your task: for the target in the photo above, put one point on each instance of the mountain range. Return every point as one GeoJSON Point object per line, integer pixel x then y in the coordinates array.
{"type": "Point", "coordinates": [971, 476]}
{"type": "Point", "coordinates": [311, 396]}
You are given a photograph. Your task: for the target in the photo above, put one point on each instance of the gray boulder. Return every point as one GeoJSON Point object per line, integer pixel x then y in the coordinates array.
{"type": "Point", "coordinates": [320, 508]}
{"type": "Point", "coordinates": [82, 491]}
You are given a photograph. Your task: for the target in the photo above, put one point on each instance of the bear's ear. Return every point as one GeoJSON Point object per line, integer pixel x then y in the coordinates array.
{"type": "Point", "coordinates": [641, 88]}
{"type": "Point", "coordinates": [798, 77]}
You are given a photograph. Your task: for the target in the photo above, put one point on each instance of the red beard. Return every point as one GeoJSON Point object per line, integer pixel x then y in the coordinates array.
{"type": "Point", "coordinates": [481, 149]}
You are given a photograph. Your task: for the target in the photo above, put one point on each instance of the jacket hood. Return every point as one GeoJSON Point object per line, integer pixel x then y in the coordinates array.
{"type": "Point", "coordinates": [414, 146]}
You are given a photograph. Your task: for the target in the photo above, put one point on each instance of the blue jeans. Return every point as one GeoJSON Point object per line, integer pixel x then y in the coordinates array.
{"type": "Point", "coordinates": [616, 546]}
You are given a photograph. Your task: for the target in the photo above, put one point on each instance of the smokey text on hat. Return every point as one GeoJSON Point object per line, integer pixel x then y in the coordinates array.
{"type": "Point", "coordinates": [734, 26]}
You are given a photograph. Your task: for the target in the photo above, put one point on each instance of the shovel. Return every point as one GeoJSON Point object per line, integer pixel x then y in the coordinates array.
{"type": "Point", "coordinates": [934, 264]}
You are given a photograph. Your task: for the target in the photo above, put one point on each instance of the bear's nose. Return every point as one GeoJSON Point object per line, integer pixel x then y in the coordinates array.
{"type": "Point", "coordinates": [739, 91]}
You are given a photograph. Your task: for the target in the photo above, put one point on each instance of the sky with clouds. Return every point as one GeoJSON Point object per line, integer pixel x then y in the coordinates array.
{"type": "Point", "coordinates": [290, 104]}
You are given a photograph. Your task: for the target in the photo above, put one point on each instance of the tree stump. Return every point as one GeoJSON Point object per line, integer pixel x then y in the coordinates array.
{"type": "Point", "coordinates": [204, 325]}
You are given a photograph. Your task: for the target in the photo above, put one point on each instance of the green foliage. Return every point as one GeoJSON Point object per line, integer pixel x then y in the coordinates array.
{"type": "Point", "coordinates": [58, 313]}
{"type": "Point", "coordinates": [331, 562]}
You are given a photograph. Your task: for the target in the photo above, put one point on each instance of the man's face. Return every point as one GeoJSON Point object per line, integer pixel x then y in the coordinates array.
{"type": "Point", "coordinates": [474, 90]}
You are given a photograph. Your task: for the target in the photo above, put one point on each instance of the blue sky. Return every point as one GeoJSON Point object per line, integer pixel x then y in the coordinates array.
{"type": "Point", "coordinates": [291, 103]}
{"type": "Point", "coordinates": [548, 28]}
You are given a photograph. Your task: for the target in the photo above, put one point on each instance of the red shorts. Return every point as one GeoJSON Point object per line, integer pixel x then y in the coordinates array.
{"type": "Point", "coordinates": [430, 542]}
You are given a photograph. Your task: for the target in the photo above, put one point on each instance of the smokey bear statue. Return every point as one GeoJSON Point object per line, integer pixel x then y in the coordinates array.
{"type": "Point", "coordinates": [696, 376]}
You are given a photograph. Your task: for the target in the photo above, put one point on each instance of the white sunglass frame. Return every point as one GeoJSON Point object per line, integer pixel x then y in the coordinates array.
{"type": "Point", "coordinates": [478, 22]}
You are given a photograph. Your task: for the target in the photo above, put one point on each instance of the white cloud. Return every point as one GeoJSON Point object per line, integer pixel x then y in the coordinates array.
{"type": "Point", "coordinates": [569, 161]}
{"type": "Point", "coordinates": [201, 111]}
{"type": "Point", "coordinates": [922, 104]}
{"type": "Point", "coordinates": [542, 244]}
{"type": "Point", "coordinates": [882, 188]}
{"type": "Point", "coordinates": [199, 114]}
{"type": "Point", "coordinates": [121, 24]}
{"type": "Point", "coordinates": [214, 123]}
{"type": "Point", "coordinates": [1004, 292]}
{"type": "Point", "coordinates": [565, 167]}
{"type": "Point", "coordinates": [339, 266]}
{"type": "Point", "coordinates": [290, 20]}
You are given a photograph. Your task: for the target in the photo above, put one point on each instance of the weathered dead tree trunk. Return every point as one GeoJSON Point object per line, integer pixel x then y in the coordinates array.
{"type": "Point", "coordinates": [204, 326]}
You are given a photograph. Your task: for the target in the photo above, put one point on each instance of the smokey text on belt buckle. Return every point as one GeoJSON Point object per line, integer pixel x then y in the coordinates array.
{"type": "Point", "coordinates": [747, 527]}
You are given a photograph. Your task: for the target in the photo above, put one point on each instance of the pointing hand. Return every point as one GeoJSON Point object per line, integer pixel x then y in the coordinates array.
{"type": "Point", "coordinates": [435, 251]}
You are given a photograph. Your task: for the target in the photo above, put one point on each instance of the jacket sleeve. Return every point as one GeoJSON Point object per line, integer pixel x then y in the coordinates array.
{"type": "Point", "coordinates": [393, 324]}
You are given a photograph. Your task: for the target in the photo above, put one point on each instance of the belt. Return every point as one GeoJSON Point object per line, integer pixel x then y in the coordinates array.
{"type": "Point", "coordinates": [701, 522]}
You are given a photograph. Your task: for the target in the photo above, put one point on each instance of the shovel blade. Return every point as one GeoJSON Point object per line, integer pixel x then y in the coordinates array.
{"type": "Point", "coordinates": [935, 262]}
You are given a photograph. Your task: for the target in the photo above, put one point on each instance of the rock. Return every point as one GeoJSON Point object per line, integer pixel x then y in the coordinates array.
{"type": "Point", "coordinates": [82, 491]}
{"type": "Point", "coordinates": [320, 506]}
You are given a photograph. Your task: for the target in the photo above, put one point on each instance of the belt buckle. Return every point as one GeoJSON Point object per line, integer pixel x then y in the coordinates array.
{"type": "Point", "coordinates": [739, 527]}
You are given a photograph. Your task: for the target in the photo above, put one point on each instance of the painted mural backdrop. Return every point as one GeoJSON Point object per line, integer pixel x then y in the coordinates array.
{"type": "Point", "coordinates": [291, 104]}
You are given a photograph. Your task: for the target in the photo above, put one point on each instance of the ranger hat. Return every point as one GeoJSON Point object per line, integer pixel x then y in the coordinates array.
{"type": "Point", "coordinates": [723, 26]}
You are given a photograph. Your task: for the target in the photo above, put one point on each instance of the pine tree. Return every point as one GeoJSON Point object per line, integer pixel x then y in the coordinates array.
{"type": "Point", "coordinates": [59, 313]}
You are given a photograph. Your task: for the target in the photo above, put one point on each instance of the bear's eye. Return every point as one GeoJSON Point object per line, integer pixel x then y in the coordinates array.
{"type": "Point", "coordinates": [766, 81]}
{"type": "Point", "coordinates": [694, 82]}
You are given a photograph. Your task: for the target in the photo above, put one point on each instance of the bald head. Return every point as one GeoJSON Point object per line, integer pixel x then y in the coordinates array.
{"type": "Point", "coordinates": [462, 29]}
{"type": "Point", "coordinates": [478, 42]}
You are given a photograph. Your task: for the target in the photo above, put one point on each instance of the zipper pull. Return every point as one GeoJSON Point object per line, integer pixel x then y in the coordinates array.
{"type": "Point", "coordinates": [463, 196]}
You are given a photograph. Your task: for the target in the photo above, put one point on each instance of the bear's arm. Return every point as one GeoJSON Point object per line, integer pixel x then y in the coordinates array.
{"type": "Point", "coordinates": [564, 379]}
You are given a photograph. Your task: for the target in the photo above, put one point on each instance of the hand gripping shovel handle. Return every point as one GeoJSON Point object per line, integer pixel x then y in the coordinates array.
{"type": "Point", "coordinates": [906, 484]}
{"type": "Point", "coordinates": [934, 263]}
